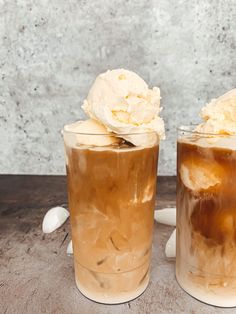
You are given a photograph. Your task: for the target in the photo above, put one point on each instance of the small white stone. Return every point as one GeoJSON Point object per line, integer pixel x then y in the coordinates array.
{"type": "Point", "coordinates": [69, 249]}
{"type": "Point", "coordinates": [170, 249]}
{"type": "Point", "coordinates": [166, 216]}
{"type": "Point", "coordinates": [54, 218]}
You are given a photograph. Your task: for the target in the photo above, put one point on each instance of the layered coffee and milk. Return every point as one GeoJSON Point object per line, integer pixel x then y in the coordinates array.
{"type": "Point", "coordinates": [206, 205]}
{"type": "Point", "coordinates": [112, 196]}
{"type": "Point", "coordinates": [111, 170]}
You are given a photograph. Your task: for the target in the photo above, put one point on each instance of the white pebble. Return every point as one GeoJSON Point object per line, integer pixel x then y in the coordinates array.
{"type": "Point", "coordinates": [54, 218]}
{"type": "Point", "coordinates": [69, 249]}
{"type": "Point", "coordinates": [170, 249]}
{"type": "Point", "coordinates": [166, 216]}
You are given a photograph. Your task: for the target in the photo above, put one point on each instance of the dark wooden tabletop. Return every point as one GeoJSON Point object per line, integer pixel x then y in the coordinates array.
{"type": "Point", "coordinates": [36, 275]}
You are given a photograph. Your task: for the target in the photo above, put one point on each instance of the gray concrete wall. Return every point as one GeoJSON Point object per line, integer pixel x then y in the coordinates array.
{"type": "Point", "coordinates": [50, 52]}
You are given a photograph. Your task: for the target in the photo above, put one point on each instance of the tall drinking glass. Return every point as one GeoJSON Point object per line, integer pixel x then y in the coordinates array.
{"type": "Point", "coordinates": [206, 216]}
{"type": "Point", "coordinates": [111, 193]}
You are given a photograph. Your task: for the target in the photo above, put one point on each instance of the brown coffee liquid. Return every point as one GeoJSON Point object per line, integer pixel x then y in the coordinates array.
{"type": "Point", "coordinates": [206, 221]}
{"type": "Point", "coordinates": [111, 200]}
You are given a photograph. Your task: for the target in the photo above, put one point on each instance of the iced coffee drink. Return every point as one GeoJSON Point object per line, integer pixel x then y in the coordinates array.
{"type": "Point", "coordinates": [111, 199]}
{"type": "Point", "coordinates": [206, 205]}
{"type": "Point", "coordinates": [111, 189]}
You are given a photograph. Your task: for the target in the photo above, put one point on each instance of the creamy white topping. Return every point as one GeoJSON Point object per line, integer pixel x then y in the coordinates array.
{"type": "Point", "coordinates": [88, 132]}
{"type": "Point", "coordinates": [123, 103]}
{"type": "Point", "coordinates": [219, 115]}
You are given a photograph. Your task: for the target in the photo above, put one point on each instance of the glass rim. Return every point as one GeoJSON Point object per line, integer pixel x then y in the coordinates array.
{"type": "Point", "coordinates": [108, 134]}
{"type": "Point", "coordinates": [189, 129]}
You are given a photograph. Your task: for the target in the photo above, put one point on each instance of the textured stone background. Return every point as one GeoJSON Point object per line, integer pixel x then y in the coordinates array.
{"type": "Point", "coordinates": [50, 52]}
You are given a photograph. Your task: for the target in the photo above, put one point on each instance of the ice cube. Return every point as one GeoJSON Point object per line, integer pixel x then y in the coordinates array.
{"type": "Point", "coordinates": [119, 242]}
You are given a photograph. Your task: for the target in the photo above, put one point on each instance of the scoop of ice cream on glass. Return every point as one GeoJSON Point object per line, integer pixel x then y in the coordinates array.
{"type": "Point", "coordinates": [120, 102]}
{"type": "Point", "coordinates": [83, 131]}
{"type": "Point", "coordinates": [219, 116]}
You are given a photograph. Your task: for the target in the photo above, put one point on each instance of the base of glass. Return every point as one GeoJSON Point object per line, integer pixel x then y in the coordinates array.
{"type": "Point", "coordinates": [107, 298]}
{"type": "Point", "coordinates": [207, 297]}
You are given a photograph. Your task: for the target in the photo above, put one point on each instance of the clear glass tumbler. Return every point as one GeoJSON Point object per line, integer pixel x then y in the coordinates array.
{"type": "Point", "coordinates": [111, 193]}
{"type": "Point", "coordinates": [206, 216]}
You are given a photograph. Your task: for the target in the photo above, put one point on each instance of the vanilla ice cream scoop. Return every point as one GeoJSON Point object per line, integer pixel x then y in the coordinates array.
{"type": "Point", "coordinates": [89, 132]}
{"type": "Point", "coordinates": [200, 175]}
{"type": "Point", "coordinates": [219, 115]}
{"type": "Point", "coordinates": [123, 103]}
